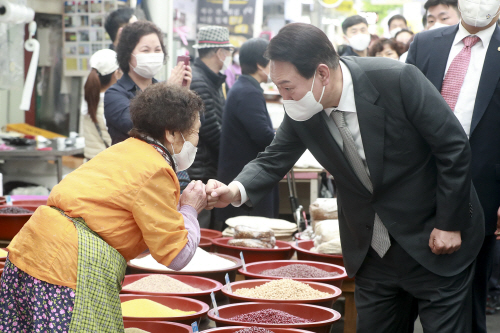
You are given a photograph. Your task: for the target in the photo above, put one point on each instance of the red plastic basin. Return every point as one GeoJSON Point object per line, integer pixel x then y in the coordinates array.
{"type": "Point", "coordinates": [158, 326]}
{"type": "Point", "coordinates": [209, 233]}
{"type": "Point", "coordinates": [217, 274]}
{"type": "Point", "coordinates": [206, 285]}
{"type": "Point", "coordinates": [10, 224]}
{"type": "Point", "coordinates": [206, 244]}
{"type": "Point", "coordinates": [232, 329]}
{"type": "Point", "coordinates": [180, 303]}
{"type": "Point", "coordinates": [254, 269]}
{"type": "Point", "coordinates": [325, 301]}
{"type": "Point", "coordinates": [304, 252]}
{"type": "Point", "coordinates": [29, 202]}
{"type": "Point", "coordinates": [283, 252]}
{"type": "Point", "coordinates": [323, 318]}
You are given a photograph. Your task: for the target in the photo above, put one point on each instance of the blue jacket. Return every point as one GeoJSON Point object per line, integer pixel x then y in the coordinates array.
{"type": "Point", "coordinates": [246, 131]}
{"type": "Point", "coordinates": [116, 108]}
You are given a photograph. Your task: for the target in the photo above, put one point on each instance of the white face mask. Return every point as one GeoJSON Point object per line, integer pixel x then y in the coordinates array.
{"type": "Point", "coordinates": [186, 156]}
{"type": "Point", "coordinates": [394, 31]}
{"type": "Point", "coordinates": [360, 42]}
{"type": "Point", "coordinates": [478, 13]}
{"type": "Point", "coordinates": [268, 76]}
{"type": "Point", "coordinates": [148, 64]}
{"type": "Point", "coordinates": [306, 107]}
{"type": "Point", "coordinates": [236, 59]}
{"type": "Point", "coordinates": [438, 25]}
{"type": "Point", "coordinates": [226, 63]}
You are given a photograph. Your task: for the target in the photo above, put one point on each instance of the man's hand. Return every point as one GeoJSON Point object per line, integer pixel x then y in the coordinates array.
{"type": "Point", "coordinates": [498, 225]}
{"type": "Point", "coordinates": [444, 242]}
{"type": "Point", "coordinates": [220, 195]}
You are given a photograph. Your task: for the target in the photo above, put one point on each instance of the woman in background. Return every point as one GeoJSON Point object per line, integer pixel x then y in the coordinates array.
{"type": "Point", "coordinates": [233, 72]}
{"type": "Point", "coordinates": [105, 72]}
{"type": "Point", "coordinates": [141, 55]}
{"type": "Point", "coordinates": [387, 48]}
{"type": "Point", "coordinates": [246, 128]}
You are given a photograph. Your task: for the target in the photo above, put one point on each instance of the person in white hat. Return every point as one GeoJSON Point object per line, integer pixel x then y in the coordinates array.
{"type": "Point", "coordinates": [105, 72]}
{"type": "Point", "coordinates": [214, 51]}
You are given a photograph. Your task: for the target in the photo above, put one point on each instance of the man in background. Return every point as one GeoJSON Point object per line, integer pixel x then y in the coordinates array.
{"type": "Point", "coordinates": [214, 50]}
{"type": "Point", "coordinates": [462, 61]}
{"type": "Point", "coordinates": [441, 13]}
{"type": "Point", "coordinates": [115, 22]}
{"type": "Point", "coordinates": [356, 35]}
{"type": "Point", "coordinates": [396, 24]}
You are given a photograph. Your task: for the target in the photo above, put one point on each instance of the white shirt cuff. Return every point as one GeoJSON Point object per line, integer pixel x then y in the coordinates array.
{"type": "Point", "coordinates": [243, 194]}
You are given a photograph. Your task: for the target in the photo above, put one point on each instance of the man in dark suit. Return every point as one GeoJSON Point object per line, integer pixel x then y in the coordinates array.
{"type": "Point", "coordinates": [475, 100]}
{"type": "Point", "coordinates": [410, 221]}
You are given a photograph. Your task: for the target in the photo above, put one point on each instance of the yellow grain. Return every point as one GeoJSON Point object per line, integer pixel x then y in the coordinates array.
{"type": "Point", "coordinates": [3, 253]}
{"type": "Point", "coordinates": [147, 308]}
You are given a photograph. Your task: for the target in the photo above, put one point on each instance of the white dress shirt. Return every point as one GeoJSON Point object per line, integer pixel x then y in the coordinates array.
{"type": "Point", "coordinates": [467, 97]}
{"type": "Point", "coordinates": [347, 104]}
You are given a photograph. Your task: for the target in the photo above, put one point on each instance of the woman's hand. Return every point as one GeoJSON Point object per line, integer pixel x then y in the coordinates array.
{"type": "Point", "coordinates": [180, 73]}
{"type": "Point", "coordinates": [194, 195]}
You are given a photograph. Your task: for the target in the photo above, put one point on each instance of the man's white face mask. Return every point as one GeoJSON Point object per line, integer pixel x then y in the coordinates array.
{"type": "Point", "coordinates": [306, 107]}
{"type": "Point", "coordinates": [438, 25]}
{"type": "Point", "coordinates": [478, 13]}
{"type": "Point", "coordinates": [360, 42]}
{"type": "Point", "coordinates": [394, 31]}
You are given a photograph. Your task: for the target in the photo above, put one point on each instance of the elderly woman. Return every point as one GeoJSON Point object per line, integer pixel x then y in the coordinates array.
{"type": "Point", "coordinates": [246, 128]}
{"type": "Point", "coordinates": [140, 55]}
{"type": "Point", "coordinates": [66, 265]}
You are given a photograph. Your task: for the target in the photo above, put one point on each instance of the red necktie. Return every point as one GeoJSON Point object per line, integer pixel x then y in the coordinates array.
{"type": "Point", "coordinates": [455, 76]}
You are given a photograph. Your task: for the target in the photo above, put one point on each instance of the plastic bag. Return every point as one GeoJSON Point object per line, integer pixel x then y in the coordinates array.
{"type": "Point", "coordinates": [262, 234]}
{"type": "Point", "coordinates": [323, 209]}
{"type": "Point", "coordinates": [251, 243]}
{"type": "Point", "coordinates": [327, 237]}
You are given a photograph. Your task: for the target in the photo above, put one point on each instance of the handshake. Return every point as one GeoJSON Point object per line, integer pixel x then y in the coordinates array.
{"type": "Point", "coordinates": [214, 194]}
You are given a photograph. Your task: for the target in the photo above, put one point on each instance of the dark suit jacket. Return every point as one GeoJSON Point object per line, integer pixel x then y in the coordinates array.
{"type": "Point", "coordinates": [418, 156]}
{"type": "Point", "coordinates": [429, 52]}
{"type": "Point", "coordinates": [246, 131]}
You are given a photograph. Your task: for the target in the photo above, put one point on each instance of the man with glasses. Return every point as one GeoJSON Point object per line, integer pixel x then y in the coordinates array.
{"type": "Point", "coordinates": [214, 52]}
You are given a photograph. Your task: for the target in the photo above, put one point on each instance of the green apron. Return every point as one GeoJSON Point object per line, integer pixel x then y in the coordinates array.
{"type": "Point", "coordinates": [101, 270]}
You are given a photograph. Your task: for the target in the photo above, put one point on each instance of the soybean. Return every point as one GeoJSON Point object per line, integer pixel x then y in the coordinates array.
{"type": "Point", "coordinates": [284, 289]}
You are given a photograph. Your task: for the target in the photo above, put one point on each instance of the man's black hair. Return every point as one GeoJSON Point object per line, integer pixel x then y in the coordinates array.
{"type": "Point", "coordinates": [252, 54]}
{"type": "Point", "coordinates": [433, 3]}
{"type": "Point", "coordinates": [116, 19]}
{"type": "Point", "coordinates": [397, 17]}
{"type": "Point", "coordinates": [304, 46]}
{"type": "Point", "coordinates": [353, 20]}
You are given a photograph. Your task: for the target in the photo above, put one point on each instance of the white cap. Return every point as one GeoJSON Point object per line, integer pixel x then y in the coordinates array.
{"type": "Point", "coordinates": [104, 61]}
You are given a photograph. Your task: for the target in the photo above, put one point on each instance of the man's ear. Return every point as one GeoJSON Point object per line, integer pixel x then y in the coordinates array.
{"type": "Point", "coordinates": [346, 40]}
{"type": "Point", "coordinates": [324, 74]}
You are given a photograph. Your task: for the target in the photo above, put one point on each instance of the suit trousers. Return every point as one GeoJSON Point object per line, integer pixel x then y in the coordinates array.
{"type": "Point", "coordinates": [388, 288]}
{"type": "Point", "coordinates": [484, 268]}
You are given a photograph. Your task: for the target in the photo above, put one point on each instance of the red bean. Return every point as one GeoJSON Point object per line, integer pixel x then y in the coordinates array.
{"type": "Point", "coordinates": [15, 210]}
{"type": "Point", "coordinates": [270, 316]}
{"type": "Point", "coordinates": [254, 329]}
{"type": "Point", "coordinates": [298, 271]}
